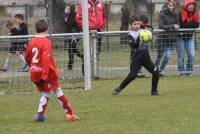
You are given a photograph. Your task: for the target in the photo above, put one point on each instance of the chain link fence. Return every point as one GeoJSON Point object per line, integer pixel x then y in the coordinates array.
{"type": "Point", "coordinates": [110, 57]}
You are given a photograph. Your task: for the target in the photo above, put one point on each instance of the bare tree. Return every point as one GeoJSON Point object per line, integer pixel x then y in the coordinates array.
{"type": "Point", "coordinates": [55, 14]}
{"type": "Point", "coordinates": [133, 7]}
{"type": "Point", "coordinates": [136, 6]}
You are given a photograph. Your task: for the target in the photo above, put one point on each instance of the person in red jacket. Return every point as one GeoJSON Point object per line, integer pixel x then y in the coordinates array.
{"type": "Point", "coordinates": [43, 72]}
{"type": "Point", "coordinates": [189, 18]}
{"type": "Point", "coordinates": [96, 16]}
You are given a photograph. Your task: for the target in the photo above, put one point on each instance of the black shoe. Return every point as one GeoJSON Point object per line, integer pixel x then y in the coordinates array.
{"type": "Point", "coordinates": [3, 69]}
{"type": "Point", "coordinates": [154, 93]}
{"type": "Point", "coordinates": [116, 91]}
{"type": "Point", "coordinates": [140, 75]}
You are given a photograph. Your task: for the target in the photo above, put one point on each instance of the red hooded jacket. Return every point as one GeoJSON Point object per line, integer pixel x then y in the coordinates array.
{"type": "Point", "coordinates": [96, 16]}
{"type": "Point", "coordinates": [189, 20]}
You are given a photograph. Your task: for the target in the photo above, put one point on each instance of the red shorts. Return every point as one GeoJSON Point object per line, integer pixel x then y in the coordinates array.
{"type": "Point", "coordinates": [48, 86]}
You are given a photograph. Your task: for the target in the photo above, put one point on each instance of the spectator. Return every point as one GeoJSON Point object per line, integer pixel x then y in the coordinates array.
{"type": "Point", "coordinates": [23, 30]}
{"type": "Point", "coordinates": [13, 47]}
{"type": "Point", "coordinates": [124, 24]}
{"type": "Point", "coordinates": [71, 27]}
{"type": "Point", "coordinates": [96, 16]}
{"type": "Point", "coordinates": [166, 41]}
{"type": "Point", "coordinates": [145, 22]}
{"type": "Point", "coordinates": [189, 18]}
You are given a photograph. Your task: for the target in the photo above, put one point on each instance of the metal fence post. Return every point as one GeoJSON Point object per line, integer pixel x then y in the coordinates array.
{"type": "Point", "coordinates": [86, 41]}
{"type": "Point", "coordinates": [94, 53]}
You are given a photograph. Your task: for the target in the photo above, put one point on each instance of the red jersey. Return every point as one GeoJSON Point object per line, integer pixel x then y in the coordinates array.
{"type": "Point", "coordinates": [40, 60]}
{"type": "Point", "coordinates": [96, 16]}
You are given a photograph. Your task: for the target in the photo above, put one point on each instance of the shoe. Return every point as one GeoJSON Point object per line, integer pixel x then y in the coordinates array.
{"type": "Point", "coordinates": [154, 93]}
{"type": "Point", "coordinates": [24, 69]}
{"type": "Point", "coordinates": [161, 74]}
{"type": "Point", "coordinates": [72, 117]}
{"type": "Point", "coordinates": [3, 69]}
{"type": "Point", "coordinates": [189, 75]}
{"type": "Point", "coordinates": [116, 91]}
{"type": "Point", "coordinates": [39, 118]}
{"type": "Point", "coordinates": [181, 75]}
{"type": "Point", "coordinates": [140, 75]}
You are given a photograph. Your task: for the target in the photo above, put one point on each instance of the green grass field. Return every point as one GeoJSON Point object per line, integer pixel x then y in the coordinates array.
{"type": "Point", "coordinates": [133, 111]}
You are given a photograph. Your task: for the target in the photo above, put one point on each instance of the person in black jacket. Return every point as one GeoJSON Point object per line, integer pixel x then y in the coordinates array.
{"type": "Point", "coordinates": [13, 47]}
{"type": "Point", "coordinates": [71, 27]}
{"type": "Point", "coordinates": [23, 30]}
{"type": "Point", "coordinates": [166, 41]}
{"type": "Point", "coordinates": [139, 57]}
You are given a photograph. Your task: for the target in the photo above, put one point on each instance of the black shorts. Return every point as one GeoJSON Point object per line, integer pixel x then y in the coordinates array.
{"type": "Point", "coordinates": [17, 47]}
{"type": "Point", "coordinates": [139, 58]}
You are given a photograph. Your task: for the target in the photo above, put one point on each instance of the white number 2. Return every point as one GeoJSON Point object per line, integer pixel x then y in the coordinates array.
{"type": "Point", "coordinates": [35, 56]}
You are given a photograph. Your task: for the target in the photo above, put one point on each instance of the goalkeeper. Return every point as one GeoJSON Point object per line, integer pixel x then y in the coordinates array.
{"type": "Point", "coordinates": [139, 57]}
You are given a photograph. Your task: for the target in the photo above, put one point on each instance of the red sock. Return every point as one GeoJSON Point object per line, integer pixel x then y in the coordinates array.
{"type": "Point", "coordinates": [65, 104]}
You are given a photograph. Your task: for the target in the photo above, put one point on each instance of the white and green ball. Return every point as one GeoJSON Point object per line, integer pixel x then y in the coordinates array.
{"type": "Point", "coordinates": [146, 35]}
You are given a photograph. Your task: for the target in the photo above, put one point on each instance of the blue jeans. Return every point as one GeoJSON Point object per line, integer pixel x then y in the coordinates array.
{"type": "Point", "coordinates": [187, 45]}
{"type": "Point", "coordinates": [166, 54]}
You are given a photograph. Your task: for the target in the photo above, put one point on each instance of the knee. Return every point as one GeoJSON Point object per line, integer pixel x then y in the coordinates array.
{"type": "Point", "coordinates": [156, 73]}
{"type": "Point", "coordinates": [132, 75]}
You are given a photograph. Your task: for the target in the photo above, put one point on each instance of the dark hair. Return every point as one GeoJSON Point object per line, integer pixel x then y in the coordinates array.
{"type": "Point", "coordinates": [144, 18]}
{"type": "Point", "coordinates": [72, 8]}
{"type": "Point", "coordinates": [19, 16]}
{"type": "Point", "coordinates": [41, 26]}
{"type": "Point", "coordinates": [134, 18]}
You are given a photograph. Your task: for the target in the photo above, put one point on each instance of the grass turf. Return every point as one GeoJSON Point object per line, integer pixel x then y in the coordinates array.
{"type": "Point", "coordinates": [133, 111]}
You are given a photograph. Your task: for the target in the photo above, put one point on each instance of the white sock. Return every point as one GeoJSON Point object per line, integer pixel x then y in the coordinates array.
{"type": "Point", "coordinates": [22, 60]}
{"type": "Point", "coordinates": [7, 63]}
{"type": "Point", "coordinates": [43, 103]}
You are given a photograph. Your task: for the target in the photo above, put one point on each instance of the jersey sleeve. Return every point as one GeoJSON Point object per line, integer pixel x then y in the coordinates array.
{"type": "Point", "coordinates": [46, 56]}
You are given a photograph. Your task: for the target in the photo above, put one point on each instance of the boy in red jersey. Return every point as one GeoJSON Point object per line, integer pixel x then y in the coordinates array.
{"type": "Point", "coordinates": [43, 72]}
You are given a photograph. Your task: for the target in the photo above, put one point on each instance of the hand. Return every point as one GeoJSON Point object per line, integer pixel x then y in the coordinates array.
{"type": "Point", "coordinates": [176, 26]}
{"type": "Point", "coordinates": [40, 82]}
{"type": "Point", "coordinates": [137, 42]}
{"type": "Point", "coordinates": [131, 40]}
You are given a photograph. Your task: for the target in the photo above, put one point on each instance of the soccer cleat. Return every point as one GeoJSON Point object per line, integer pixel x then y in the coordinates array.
{"type": "Point", "coordinates": [24, 69]}
{"type": "Point", "coordinates": [39, 118]}
{"type": "Point", "coordinates": [72, 117]}
{"type": "Point", "coordinates": [154, 93]}
{"type": "Point", "coordinates": [116, 91]}
{"type": "Point", "coordinates": [140, 75]}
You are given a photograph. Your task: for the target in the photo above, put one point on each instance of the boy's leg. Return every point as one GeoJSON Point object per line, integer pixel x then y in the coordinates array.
{"type": "Point", "coordinates": [23, 62]}
{"type": "Point", "coordinates": [134, 68]}
{"type": "Point", "coordinates": [7, 63]}
{"type": "Point", "coordinates": [155, 74]}
{"type": "Point", "coordinates": [42, 107]}
{"type": "Point", "coordinates": [62, 99]}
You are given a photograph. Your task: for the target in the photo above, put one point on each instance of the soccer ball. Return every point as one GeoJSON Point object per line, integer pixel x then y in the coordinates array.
{"type": "Point", "coordinates": [145, 35]}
